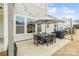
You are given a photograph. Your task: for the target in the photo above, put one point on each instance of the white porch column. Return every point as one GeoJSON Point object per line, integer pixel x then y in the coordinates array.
{"type": "Point", "coordinates": [11, 29]}
{"type": "Point", "coordinates": [5, 26]}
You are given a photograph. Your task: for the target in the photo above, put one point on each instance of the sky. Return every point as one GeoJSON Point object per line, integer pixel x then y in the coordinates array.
{"type": "Point", "coordinates": [64, 10]}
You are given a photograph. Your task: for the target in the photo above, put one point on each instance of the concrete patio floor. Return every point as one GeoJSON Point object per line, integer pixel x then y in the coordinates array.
{"type": "Point", "coordinates": [27, 48]}
{"type": "Point", "coordinates": [71, 49]}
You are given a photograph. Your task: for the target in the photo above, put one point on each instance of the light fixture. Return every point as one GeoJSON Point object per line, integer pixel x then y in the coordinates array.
{"type": "Point", "coordinates": [1, 8]}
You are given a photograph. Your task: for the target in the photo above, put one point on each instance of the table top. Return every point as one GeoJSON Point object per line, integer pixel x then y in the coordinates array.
{"type": "Point", "coordinates": [46, 34]}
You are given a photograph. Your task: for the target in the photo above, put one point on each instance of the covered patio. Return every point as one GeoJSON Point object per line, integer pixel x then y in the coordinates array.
{"type": "Point", "coordinates": [49, 33]}
{"type": "Point", "coordinates": [20, 31]}
{"type": "Point", "coordinates": [28, 48]}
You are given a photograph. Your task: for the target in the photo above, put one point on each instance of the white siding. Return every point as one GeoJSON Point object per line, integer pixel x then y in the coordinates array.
{"type": "Point", "coordinates": [18, 37]}
{"type": "Point", "coordinates": [50, 28]}
{"type": "Point", "coordinates": [35, 11]}
{"type": "Point", "coordinates": [31, 8]}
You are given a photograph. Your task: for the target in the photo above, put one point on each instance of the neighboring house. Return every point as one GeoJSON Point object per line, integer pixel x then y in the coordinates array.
{"type": "Point", "coordinates": [67, 22]}
{"type": "Point", "coordinates": [76, 24]}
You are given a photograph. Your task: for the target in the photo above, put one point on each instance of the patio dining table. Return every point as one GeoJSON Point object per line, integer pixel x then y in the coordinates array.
{"type": "Point", "coordinates": [45, 35]}
{"type": "Point", "coordinates": [45, 38]}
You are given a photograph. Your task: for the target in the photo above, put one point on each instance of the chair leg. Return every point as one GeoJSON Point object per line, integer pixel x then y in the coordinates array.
{"type": "Point", "coordinates": [50, 42]}
{"type": "Point", "coordinates": [42, 42]}
{"type": "Point", "coordinates": [37, 44]}
{"type": "Point", "coordinates": [47, 43]}
{"type": "Point", "coordinates": [54, 40]}
{"type": "Point", "coordinates": [34, 41]}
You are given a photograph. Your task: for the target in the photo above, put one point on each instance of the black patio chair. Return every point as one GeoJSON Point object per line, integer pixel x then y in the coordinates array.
{"type": "Point", "coordinates": [51, 39]}
{"type": "Point", "coordinates": [46, 39]}
{"type": "Point", "coordinates": [37, 39]}
{"type": "Point", "coordinates": [54, 37]}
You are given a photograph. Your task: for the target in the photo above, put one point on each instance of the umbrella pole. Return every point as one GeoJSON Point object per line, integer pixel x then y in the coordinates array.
{"type": "Point", "coordinates": [45, 27]}
{"type": "Point", "coordinates": [71, 29]}
{"type": "Point", "coordinates": [55, 27]}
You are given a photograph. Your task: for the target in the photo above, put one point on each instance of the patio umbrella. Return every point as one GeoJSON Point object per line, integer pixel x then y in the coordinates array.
{"type": "Point", "coordinates": [48, 20]}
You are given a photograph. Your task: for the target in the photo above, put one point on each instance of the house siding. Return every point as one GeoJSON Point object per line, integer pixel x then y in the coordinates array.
{"type": "Point", "coordinates": [33, 10]}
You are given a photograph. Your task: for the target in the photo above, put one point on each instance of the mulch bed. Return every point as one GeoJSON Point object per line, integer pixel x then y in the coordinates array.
{"type": "Point", "coordinates": [3, 53]}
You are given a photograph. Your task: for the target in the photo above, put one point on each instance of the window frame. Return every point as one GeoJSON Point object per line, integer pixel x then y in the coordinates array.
{"type": "Point", "coordinates": [19, 25]}
{"type": "Point", "coordinates": [27, 24]}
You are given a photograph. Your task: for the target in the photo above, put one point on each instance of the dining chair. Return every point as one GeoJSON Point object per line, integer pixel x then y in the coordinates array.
{"type": "Point", "coordinates": [35, 38]}
{"type": "Point", "coordinates": [38, 39]}
{"type": "Point", "coordinates": [54, 37]}
{"type": "Point", "coordinates": [50, 39]}
{"type": "Point", "coordinates": [47, 39]}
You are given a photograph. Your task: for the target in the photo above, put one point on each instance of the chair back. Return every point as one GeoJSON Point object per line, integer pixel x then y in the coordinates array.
{"type": "Point", "coordinates": [35, 36]}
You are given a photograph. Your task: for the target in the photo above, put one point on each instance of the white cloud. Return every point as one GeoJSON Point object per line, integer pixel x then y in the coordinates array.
{"type": "Point", "coordinates": [68, 11]}
{"type": "Point", "coordinates": [62, 12]}
{"type": "Point", "coordinates": [71, 16]}
{"type": "Point", "coordinates": [53, 10]}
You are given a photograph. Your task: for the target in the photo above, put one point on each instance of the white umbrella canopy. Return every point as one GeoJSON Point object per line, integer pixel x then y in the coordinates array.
{"type": "Point", "coordinates": [48, 20]}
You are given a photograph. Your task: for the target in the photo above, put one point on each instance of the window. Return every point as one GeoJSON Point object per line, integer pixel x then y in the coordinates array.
{"type": "Point", "coordinates": [19, 25]}
{"type": "Point", "coordinates": [38, 27]}
{"type": "Point", "coordinates": [30, 25]}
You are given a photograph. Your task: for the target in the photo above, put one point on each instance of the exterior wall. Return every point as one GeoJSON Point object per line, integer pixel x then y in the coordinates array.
{"type": "Point", "coordinates": [48, 29]}
{"type": "Point", "coordinates": [1, 26]}
{"type": "Point", "coordinates": [32, 10]}
{"type": "Point", "coordinates": [18, 37]}
{"type": "Point", "coordinates": [67, 23]}
{"type": "Point", "coordinates": [51, 27]}
{"type": "Point", "coordinates": [60, 26]}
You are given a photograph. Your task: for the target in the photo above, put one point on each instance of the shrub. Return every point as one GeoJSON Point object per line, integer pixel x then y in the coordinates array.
{"type": "Point", "coordinates": [68, 31]}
